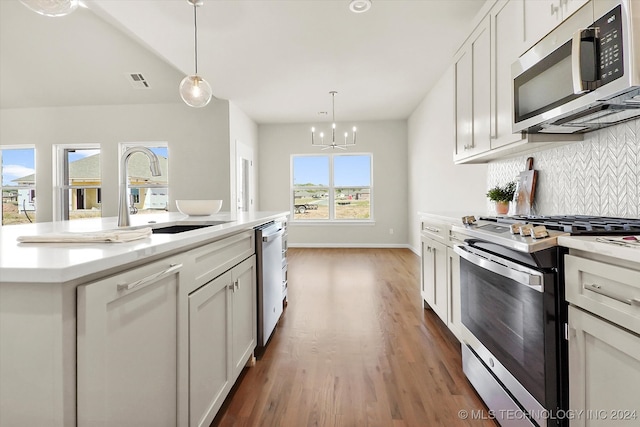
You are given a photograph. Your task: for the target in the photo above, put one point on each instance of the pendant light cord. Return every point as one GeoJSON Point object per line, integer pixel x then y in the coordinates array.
{"type": "Point", "coordinates": [195, 33]}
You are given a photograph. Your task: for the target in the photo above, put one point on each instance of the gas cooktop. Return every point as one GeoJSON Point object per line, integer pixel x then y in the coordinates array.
{"type": "Point", "coordinates": [574, 224]}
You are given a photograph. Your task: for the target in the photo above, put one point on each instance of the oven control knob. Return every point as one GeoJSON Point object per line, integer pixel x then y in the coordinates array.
{"type": "Point", "coordinates": [539, 232]}
{"type": "Point", "coordinates": [469, 220]}
{"type": "Point", "coordinates": [491, 362]}
{"type": "Point", "coordinates": [515, 228]}
{"type": "Point", "coordinates": [525, 230]}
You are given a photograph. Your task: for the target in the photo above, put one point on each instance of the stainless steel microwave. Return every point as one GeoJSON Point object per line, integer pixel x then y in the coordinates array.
{"type": "Point", "coordinates": [584, 75]}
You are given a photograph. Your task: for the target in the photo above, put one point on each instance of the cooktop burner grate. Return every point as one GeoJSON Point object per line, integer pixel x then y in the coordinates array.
{"type": "Point", "coordinates": [575, 224]}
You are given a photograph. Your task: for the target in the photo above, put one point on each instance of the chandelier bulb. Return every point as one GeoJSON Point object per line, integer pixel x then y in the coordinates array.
{"type": "Point", "coordinates": [53, 8]}
{"type": "Point", "coordinates": [195, 91]}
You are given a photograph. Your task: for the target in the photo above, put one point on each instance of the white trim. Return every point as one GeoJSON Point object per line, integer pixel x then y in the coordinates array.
{"type": "Point", "coordinates": [350, 245]}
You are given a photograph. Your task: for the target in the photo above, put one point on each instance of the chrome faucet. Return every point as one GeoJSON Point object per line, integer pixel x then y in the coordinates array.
{"type": "Point", "coordinates": [123, 206]}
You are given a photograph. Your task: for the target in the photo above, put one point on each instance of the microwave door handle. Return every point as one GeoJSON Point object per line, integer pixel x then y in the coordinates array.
{"type": "Point", "coordinates": [532, 281]}
{"type": "Point", "coordinates": [576, 70]}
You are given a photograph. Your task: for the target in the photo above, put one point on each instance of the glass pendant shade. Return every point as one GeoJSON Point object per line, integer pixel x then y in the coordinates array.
{"type": "Point", "coordinates": [195, 91]}
{"type": "Point", "coordinates": [51, 7]}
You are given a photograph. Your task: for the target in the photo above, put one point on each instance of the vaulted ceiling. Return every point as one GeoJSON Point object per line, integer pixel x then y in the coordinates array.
{"type": "Point", "coordinates": [275, 59]}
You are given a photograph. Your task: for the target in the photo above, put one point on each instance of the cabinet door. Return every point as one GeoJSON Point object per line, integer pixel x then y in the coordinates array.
{"type": "Point", "coordinates": [209, 349]}
{"type": "Point", "coordinates": [434, 276]}
{"type": "Point", "coordinates": [127, 348]}
{"type": "Point", "coordinates": [464, 106]}
{"type": "Point", "coordinates": [604, 372]}
{"type": "Point", "coordinates": [509, 44]}
{"type": "Point", "coordinates": [481, 51]}
{"type": "Point", "coordinates": [570, 6]}
{"type": "Point", "coordinates": [454, 320]}
{"type": "Point", "coordinates": [243, 324]}
{"type": "Point", "coordinates": [540, 17]}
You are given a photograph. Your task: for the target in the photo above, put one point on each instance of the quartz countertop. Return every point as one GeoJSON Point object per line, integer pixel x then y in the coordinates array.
{"type": "Point", "coordinates": [64, 262]}
{"type": "Point", "coordinates": [590, 244]}
{"type": "Point", "coordinates": [449, 217]}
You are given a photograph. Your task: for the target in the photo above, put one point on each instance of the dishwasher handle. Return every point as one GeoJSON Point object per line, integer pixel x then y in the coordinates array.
{"type": "Point", "coordinates": [272, 236]}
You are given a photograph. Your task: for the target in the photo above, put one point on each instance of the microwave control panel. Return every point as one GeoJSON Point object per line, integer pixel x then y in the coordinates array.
{"type": "Point", "coordinates": [611, 61]}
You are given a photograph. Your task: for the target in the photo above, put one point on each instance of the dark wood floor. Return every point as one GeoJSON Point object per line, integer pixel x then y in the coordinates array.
{"type": "Point", "coordinates": [355, 348]}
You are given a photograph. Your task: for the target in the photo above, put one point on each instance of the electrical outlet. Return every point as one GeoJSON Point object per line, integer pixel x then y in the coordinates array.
{"type": "Point", "coordinates": [391, 231]}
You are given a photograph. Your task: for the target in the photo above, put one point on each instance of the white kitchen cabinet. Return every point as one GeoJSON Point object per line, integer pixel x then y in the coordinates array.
{"type": "Point", "coordinates": [472, 67]}
{"type": "Point", "coordinates": [542, 16]}
{"type": "Point", "coordinates": [434, 274]}
{"type": "Point", "coordinates": [127, 347]}
{"type": "Point", "coordinates": [244, 311]}
{"type": "Point", "coordinates": [604, 372]}
{"type": "Point", "coordinates": [454, 318]}
{"type": "Point", "coordinates": [507, 19]}
{"type": "Point", "coordinates": [222, 337]}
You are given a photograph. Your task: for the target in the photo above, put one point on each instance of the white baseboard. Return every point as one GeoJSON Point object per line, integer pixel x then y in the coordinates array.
{"type": "Point", "coordinates": [351, 245]}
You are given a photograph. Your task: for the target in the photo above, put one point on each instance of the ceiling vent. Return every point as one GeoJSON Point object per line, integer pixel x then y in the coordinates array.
{"type": "Point", "coordinates": [138, 81]}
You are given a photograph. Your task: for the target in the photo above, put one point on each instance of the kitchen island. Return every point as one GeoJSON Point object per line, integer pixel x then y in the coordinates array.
{"type": "Point", "coordinates": [87, 327]}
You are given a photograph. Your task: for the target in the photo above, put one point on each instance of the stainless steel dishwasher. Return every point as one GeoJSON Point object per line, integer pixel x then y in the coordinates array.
{"type": "Point", "coordinates": [269, 258]}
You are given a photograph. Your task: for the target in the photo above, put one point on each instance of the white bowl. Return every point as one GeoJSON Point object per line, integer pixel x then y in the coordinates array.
{"type": "Point", "coordinates": [198, 207]}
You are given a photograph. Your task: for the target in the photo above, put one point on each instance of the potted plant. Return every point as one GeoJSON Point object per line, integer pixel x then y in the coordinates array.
{"type": "Point", "coordinates": [502, 196]}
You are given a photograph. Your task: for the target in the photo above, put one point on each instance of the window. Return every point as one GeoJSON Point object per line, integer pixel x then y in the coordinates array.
{"type": "Point", "coordinates": [78, 182]}
{"type": "Point", "coordinates": [332, 187]}
{"type": "Point", "coordinates": [147, 193]}
{"type": "Point", "coordinates": [18, 184]}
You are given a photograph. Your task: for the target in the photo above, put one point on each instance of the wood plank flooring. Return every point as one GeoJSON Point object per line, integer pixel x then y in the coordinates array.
{"type": "Point", "coordinates": [355, 348]}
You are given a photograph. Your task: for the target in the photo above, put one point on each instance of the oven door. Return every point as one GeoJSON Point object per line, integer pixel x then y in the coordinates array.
{"type": "Point", "coordinates": [506, 308]}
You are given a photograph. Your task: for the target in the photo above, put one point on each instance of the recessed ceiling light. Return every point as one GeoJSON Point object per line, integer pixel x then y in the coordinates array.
{"type": "Point", "coordinates": [359, 6]}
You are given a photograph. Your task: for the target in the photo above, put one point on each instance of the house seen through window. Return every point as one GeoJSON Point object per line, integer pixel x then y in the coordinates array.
{"type": "Point", "coordinates": [79, 182]}
{"type": "Point", "coordinates": [18, 184]}
{"type": "Point", "coordinates": [332, 187]}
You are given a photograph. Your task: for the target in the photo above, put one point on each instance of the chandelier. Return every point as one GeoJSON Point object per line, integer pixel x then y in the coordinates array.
{"type": "Point", "coordinates": [194, 90]}
{"type": "Point", "coordinates": [333, 143]}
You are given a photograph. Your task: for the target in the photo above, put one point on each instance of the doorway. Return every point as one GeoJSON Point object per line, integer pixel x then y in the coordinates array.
{"type": "Point", "coordinates": [244, 178]}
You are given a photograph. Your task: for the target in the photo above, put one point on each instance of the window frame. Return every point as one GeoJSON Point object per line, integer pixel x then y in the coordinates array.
{"type": "Point", "coordinates": [61, 174]}
{"type": "Point", "coordinates": [33, 187]}
{"type": "Point", "coordinates": [331, 190]}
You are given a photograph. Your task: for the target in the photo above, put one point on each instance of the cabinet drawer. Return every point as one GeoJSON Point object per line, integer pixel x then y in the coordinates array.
{"type": "Point", "coordinates": [609, 291]}
{"type": "Point", "coordinates": [436, 230]}
{"type": "Point", "coordinates": [215, 258]}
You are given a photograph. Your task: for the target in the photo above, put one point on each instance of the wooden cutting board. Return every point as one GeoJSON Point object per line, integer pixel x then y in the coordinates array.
{"type": "Point", "coordinates": [526, 189]}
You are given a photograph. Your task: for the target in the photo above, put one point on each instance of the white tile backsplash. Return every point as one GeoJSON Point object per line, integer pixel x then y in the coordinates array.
{"type": "Point", "coordinates": [597, 176]}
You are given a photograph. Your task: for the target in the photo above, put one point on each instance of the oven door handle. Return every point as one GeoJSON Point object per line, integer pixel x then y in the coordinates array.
{"type": "Point", "coordinates": [533, 279]}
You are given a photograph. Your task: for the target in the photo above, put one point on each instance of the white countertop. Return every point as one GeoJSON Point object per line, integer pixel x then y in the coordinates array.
{"type": "Point", "coordinates": [62, 262]}
{"type": "Point", "coordinates": [451, 217]}
{"type": "Point", "coordinates": [589, 244]}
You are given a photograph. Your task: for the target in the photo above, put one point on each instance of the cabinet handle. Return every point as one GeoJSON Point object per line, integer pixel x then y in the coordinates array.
{"type": "Point", "coordinates": [149, 279]}
{"type": "Point", "coordinates": [435, 230]}
{"type": "Point", "coordinates": [237, 284]}
{"type": "Point", "coordinates": [598, 289]}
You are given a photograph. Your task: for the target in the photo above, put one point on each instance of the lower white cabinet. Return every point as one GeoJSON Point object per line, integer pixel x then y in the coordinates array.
{"type": "Point", "coordinates": [434, 277]}
{"type": "Point", "coordinates": [604, 372]}
{"type": "Point", "coordinates": [222, 337]}
{"type": "Point", "coordinates": [454, 319]}
{"type": "Point", "coordinates": [127, 347]}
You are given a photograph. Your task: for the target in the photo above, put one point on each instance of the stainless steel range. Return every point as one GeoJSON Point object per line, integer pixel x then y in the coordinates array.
{"type": "Point", "coordinates": [514, 311]}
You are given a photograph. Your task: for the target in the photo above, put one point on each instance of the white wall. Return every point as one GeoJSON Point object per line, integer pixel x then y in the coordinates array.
{"type": "Point", "coordinates": [244, 130]}
{"type": "Point", "coordinates": [436, 185]}
{"type": "Point", "coordinates": [198, 145]}
{"type": "Point", "coordinates": [386, 140]}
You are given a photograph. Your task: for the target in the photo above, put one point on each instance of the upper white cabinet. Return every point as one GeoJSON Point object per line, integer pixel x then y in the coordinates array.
{"type": "Point", "coordinates": [473, 93]}
{"type": "Point", "coordinates": [483, 82]}
{"type": "Point", "coordinates": [508, 25]}
{"type": "Point", "coordinates": [542, 16]}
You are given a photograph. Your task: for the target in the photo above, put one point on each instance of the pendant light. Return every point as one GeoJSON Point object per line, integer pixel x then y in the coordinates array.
{"type": "Point", "coordinates": [194, 90]}
{"type": "Point", "coordinates": [333, 143]}
{"type": "Point", "coordinates": [51, 8]}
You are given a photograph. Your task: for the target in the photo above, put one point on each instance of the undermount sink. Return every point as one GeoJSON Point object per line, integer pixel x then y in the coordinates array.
{"type": "Point", "coordinates": [181, 228]}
